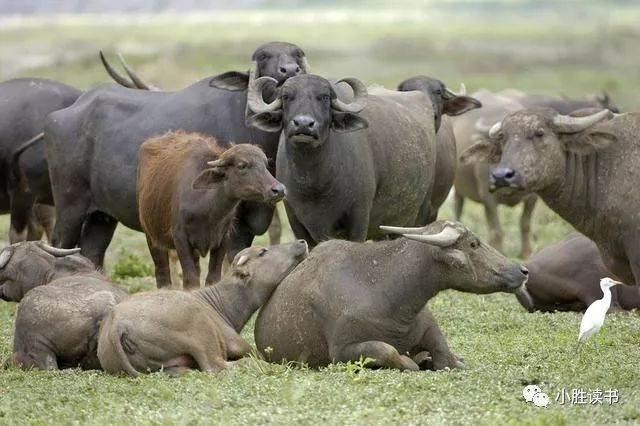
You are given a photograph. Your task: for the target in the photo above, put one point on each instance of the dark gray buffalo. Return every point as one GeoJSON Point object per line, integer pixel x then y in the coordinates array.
{"type": "Point", "coordinates": [93, 146]}
{"type": "Point", "coordinates": [444, 103]}
{"type": "Point", "coordinates": [348, 300]}
{"type": "Point", "coordinates": [24, 105]}
{"type": "Point", "coordinates": [348, 171]}
{"type": "Point", "coordinates": [585, 168]}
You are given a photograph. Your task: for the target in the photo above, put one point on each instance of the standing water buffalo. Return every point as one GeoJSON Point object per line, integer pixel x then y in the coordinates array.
{"type": "Point", "coordinates": [188, 191]}
{"type": "Point", "coordinates": [24, 105]}
{"type": "Point", "coordinates": [585, 168]}
{"type": "Point", "coordinates": [24, 266]}
{"type": "Point", "coordinates": [347, 171]}
{"type": "Point", "coordinates": [174, 330]}
{"type": "Point", "coordinates": [444, 102]}
{"type": "Point", "coordinates": [350, 300]}
{"type": "Point", "coordinates": [93, 147]}
{"type": "Point", "coordinates": [566, 277]}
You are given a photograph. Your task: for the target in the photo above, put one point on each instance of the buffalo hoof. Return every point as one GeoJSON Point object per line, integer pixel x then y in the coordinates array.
{"type": "Point", "coordinates": [425, 362]}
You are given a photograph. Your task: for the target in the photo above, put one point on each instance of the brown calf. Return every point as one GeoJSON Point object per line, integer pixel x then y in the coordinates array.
{"type": "Point", "coordinates": [188, 190]}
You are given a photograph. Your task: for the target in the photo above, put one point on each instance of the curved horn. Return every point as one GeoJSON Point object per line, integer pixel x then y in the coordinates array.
{"type": "Point", "coordinates": [255, 101]}
{"type": "Point", "coordinates": [402, 230]}
{"type": "Point", "coordinates": [495, 129]}
{"type": "Point", "coordinates": [445, 238]}
{"type": "Point", "coordinates": [217, 163]}
{"type": "Point", "coordinates": [461, 92]}
{"type": "Point", "coordinates": [136, 80]}
{"type": "Point", "coordinates": [5, 256]}
{"type": "Point", "coordinates": [568, 124]}
{"type": "Point", "coordinates": [253, 71]}
{"type": "Point", "coordinates": [114, 74]}
{"type": "Point", "coordinates": [57, 252]}
{"type": "Point", "coordinates": [359, 96]}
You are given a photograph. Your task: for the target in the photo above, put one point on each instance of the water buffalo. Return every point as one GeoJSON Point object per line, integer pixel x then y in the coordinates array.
{"type": "Point", "coordinates": [562, 105]}
{"type": "Point", "coordinates": [26, 265]}
{"type": "Point", "coordinates": [174, 330]}
{"type": "Point", "coordinates": [24, 105]}
{"type": "Point", "coordinates": [188, 191]}
{"type": "Point", "coordinates": [347, 171]}
{"type": "Point", "coordinates": [585, 168]}
{"type": "Point", "coordinates": [444, 102]}
{"type": "Point", "coordinates": [566, 277]}
{"type": "Point", "coordinates": [104, 129]}
{"type": "Point", "coordinates": [57, 324]}
{"type": "Point", "coordinates": [349, 300]}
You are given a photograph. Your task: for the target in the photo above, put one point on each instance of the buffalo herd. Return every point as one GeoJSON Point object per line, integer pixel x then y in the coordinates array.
{"type": "Point", "coordinates": [362, 172]}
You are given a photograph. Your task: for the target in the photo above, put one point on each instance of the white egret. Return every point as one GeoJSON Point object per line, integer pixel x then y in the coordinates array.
{"type": "Point", "coordinates": [594, 315]}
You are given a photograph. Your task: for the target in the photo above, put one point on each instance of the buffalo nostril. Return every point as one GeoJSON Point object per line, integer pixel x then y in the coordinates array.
{"type": "Point", "coordinates": [524, 271]}
{"type": "Point", "coordinates": [510, 174]}
{"type": "Point", "coordinates": [278, 190]}
{"type": "Point", "coordinates": [302, 241]}
{"type": "Point", "coordinates": [283, 70]}
{"type": "Point", "coordinates": [297, 70]}
{"type": "Point", "coordinates": [296, 123]}
{"type": "Point", "coordinates": [311, 124]}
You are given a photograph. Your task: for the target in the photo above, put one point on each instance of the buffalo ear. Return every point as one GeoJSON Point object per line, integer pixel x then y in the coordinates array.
{"type": "Point", "coordinates": [230, 80]}
{"type": "Point", "coordinates": [344, 122]}
{"type": "Point", "coordinates": [484, 151]}
{"type": "Point", "coordinates": [209, 178]}
{"type": "Point", "coordinates": [590, 140]}
{"type": "Point", "coordinates": [451, 257]}
{"type": "Point", "coordinates": [266, 121]}
{"type": "Point", "coordinates": [460, 104]}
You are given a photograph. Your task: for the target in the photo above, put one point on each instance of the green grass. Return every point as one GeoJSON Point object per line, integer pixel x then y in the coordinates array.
{"type": "Point", "coordinates": [504, 347]}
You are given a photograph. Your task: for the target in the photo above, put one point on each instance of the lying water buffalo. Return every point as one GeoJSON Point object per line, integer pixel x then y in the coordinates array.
{"type": "Point", "coordinates": [349, 300]}
{"type": "Point", "coordinates": [188, 191]}
{"type": "Point", "coordinates": [173, 330]}
{"type": "Point", "coordinates": [26, 265]}
{"type": "Point", "coordinates": [57, 324]}
{"type": "Point", "coordinates": [24, 105]}
{"type": "Point", "coordinates": [347, 171]}
{"type": "Point", "coordinates": [566, 277]}
{"type": "Point", "coordinates": [584, 168]}
{"type": "Point", "coordinates": [104, 129]}
{"type": "Point", "coordinates": [444, 102]}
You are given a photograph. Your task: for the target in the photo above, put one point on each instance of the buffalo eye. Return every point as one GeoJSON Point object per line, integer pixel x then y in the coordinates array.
{"type": "Point", "coordinates": [539, 133]}
{"type": "Point", "coordinates": [438, 92]}
{"type": "Point", "coordinates": [324, 98]}
{"type": "Point", "coordinates": [286, 98]}
{"type": "Point", "coordinates": [263, 251]}
{"type": "Point", "coordinates": [475, 244]}
{"type": "Point", "coordinates": [242, 165]}
{"type": "Point", "coordinates": [263, 56]}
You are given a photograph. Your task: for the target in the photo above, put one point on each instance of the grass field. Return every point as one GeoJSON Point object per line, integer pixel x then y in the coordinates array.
{"type": "Point", "coordinates": [504, 347]}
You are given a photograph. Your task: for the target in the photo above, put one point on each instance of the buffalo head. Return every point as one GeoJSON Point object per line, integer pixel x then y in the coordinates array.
{"type": "Point", "coordinates": [444, 101]}
{"type": "Point", "coordinates": [306, 108]}
{"type": "Point", "coordinates": [528, 148]}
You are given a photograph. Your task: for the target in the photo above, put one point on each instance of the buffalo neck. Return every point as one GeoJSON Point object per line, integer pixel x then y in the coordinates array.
{"type": "Point", "coordinates": [231, 299]}
{"type": "Point", "coordinates": [575, 195]}
{"type": "Point", "coordinates": [314, 169]}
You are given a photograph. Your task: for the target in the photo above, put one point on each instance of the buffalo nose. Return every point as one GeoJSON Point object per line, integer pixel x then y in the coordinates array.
{"type": "Point", "coordinates": [289, 69]}
{"type": "Point", "coordinates": [524, 271]}
{"type": "Point", "coordinates": [503, 176]}
{"type": "Point", "coordinates": [278, 191]}
{"type": "Point", "coordinates": [304, 122]}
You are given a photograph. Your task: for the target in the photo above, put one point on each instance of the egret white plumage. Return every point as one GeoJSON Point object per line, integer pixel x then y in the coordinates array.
{"type": "Point", "coordinates": [594, 315]}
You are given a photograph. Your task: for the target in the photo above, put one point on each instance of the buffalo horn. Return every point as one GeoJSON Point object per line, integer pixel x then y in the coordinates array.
{"type": "Point", "coordinates": [359, 97]}
{"type": "Point", "coordinates": [568, 124]}
{"type": "Point", "coordinates": [445, 238]}
{"type": "Point", "coordinates": [57, 252]}
{"type": "Point", "coordinates": [255, 101]}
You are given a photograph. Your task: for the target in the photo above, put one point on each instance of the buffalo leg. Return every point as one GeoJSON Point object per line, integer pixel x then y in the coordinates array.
{"type": "Point", "coordinates": [495, 230]}
{"type": "Point", "coordinates": [189, 261]}
{"type": "Point", "coordinates": [633, 254]}
{"type": "Point", "coordinates": [434, 341]}
{"type": "Point", "coordinates": [298, 228]}
{"type": "Point", "coordinates": [71, 211]}
{"type": "Point", "coordinates": [160, 258]}
{"type": "Point", "coordinates": [275, 229]}
{"type": "Point", "coordinates": [96, 236]}
{"type": "Point", "coordinates": [45, 217]}
{"type": "Point", "coordinates": [358, 226]}
{"type": "Point", "coordinates": [458, 205]}
{"type": "Point", "coordinates": [216, 256]}
{"type": "Point", "coordinates": [525, 225]}
{"type": "Point", "coordinates": [383, 354]}
{"type": "Point", "coordinates": [21, 214]}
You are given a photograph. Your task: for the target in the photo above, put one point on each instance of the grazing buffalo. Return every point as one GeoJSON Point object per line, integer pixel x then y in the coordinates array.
{"type": "Point", "coordinates": [349, 300]}
{"type": "Point", "coordinates": [93, 147]}
{"type": "Point", "coordinates": [585, 168]}
{"type": "Point", "coordinates": [444, 102]}
{"type": "Point", "coordinates": [24, 105]}
{"type": "Point", "coordinates": [348, 171]}
{"type": "Point", "coordinates": [26, 265]}
{"type": "Point", "coordinates": [188, 191]}
{"type": "Point", "coordinates": [174, 330]}
{"type": "Point", "coordinates": [566, 277]}
{"type": "Point", "coordinates": [57, 324]}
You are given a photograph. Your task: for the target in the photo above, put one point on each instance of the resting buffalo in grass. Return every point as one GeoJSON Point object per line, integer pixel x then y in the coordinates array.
{"type": "Point", "coordinates": [188, 191]}
{"type": "Point", "coordinates": [444, 102]}
{"type": "Point", "coordinates": [103, 131]}
{"type": "Point", "coordinates": [350, 300]}
{"type": "Point", "coordinates": [566, 277]}
{"type": "Point", "coordinates": [585, 168]}
{"type": "Point", "coordinates": [26, 265]}
{"type": "Point", "coordinates": [24, 105]}
{"type": "Point", "coordinates": [174, 330]}
{"type": "Point", "coordinates": [348, 171]}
